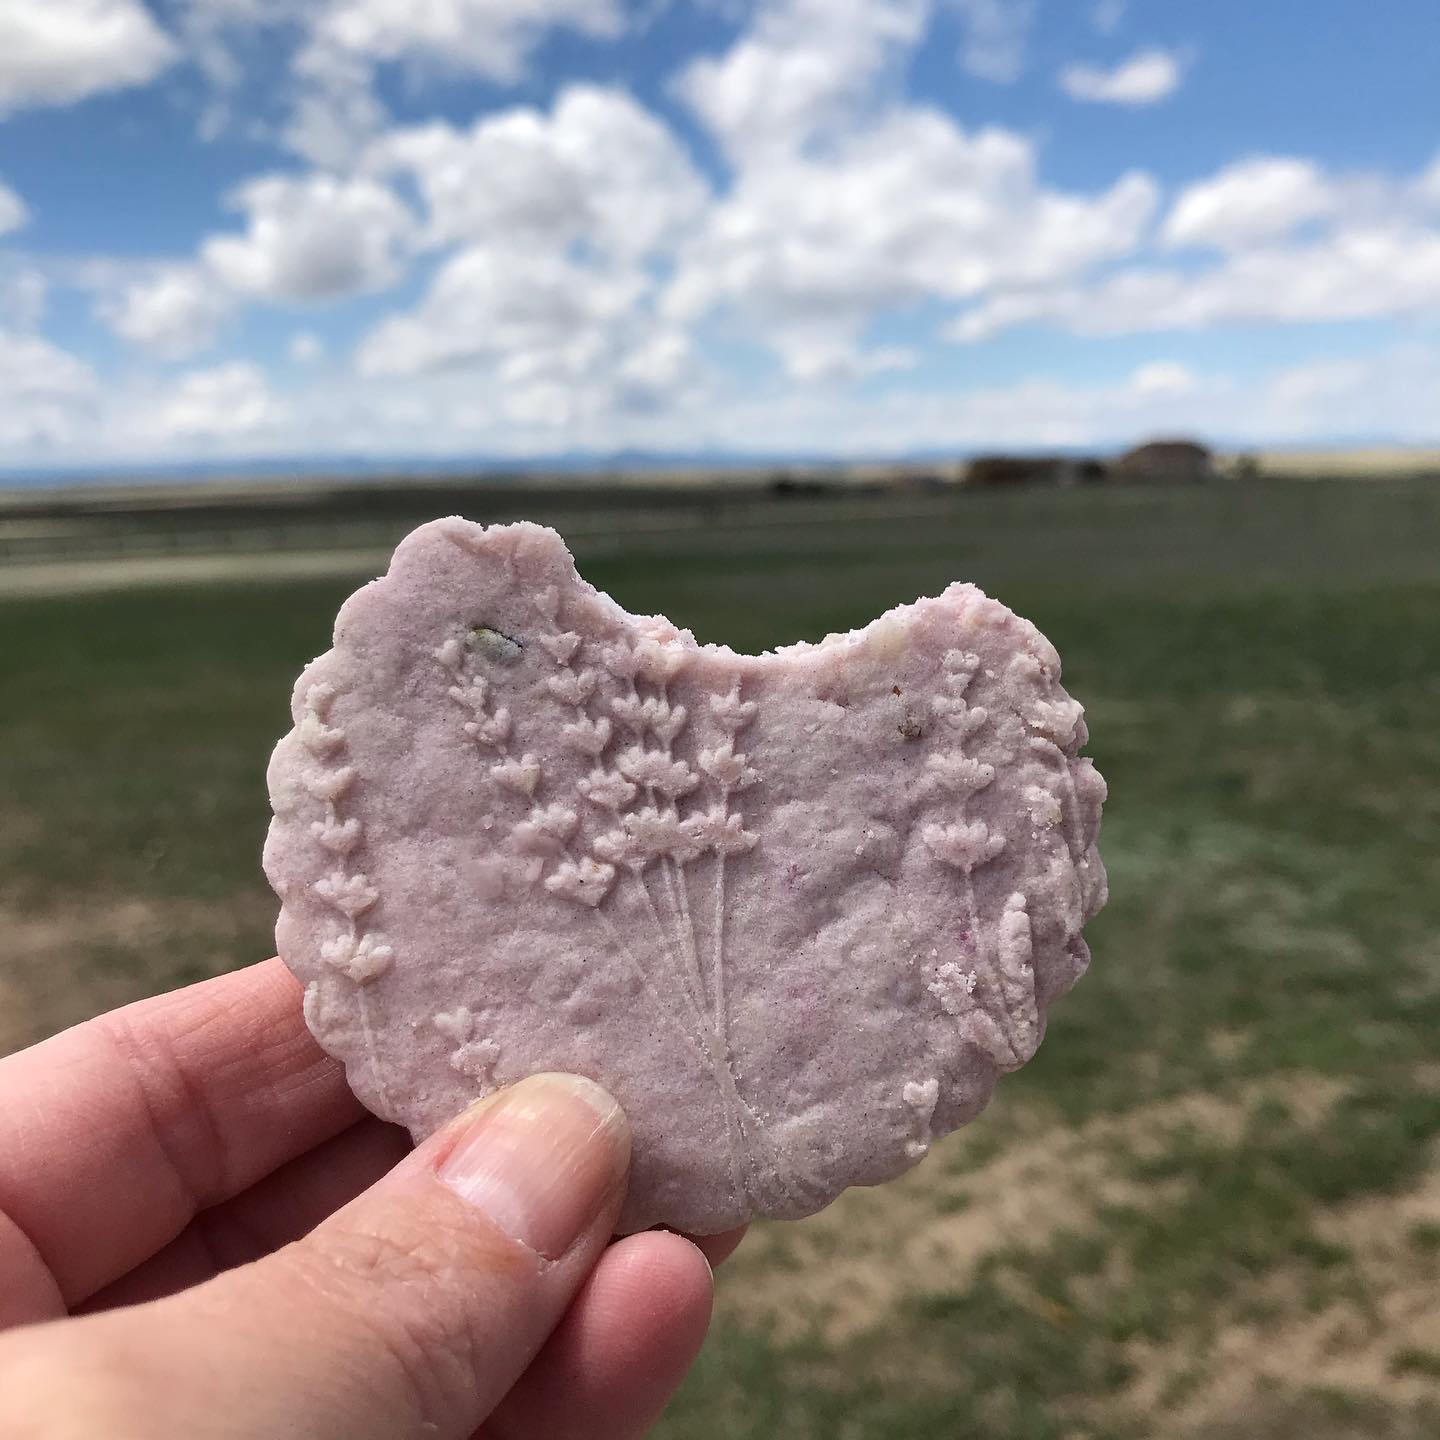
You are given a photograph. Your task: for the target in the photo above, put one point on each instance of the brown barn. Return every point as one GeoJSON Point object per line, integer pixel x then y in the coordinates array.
{"type": "Point", "coordinates": [1172, 462]}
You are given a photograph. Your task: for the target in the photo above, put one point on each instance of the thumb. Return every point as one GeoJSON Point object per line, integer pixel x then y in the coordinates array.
{"type": "Point", "coordinates": [412, 1311]}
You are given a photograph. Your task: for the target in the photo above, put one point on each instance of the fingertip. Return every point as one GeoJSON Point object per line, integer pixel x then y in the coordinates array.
{"type": "Point", "coordinates": [623, 1348]}
{"type": "Point", "coordinates": [674, 1267]}
{"type": "Point", "coordinates": [718, 1248]}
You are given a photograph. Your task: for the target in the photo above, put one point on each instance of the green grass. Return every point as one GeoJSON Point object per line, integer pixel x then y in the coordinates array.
{"type": "Point", "coordinates": [1261, 671]}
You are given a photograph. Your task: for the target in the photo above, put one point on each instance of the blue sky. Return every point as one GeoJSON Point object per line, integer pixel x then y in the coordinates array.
{"type": "Point", "coordinates": [244, 228]}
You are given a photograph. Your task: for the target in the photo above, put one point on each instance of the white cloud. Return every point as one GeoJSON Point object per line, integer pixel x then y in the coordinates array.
{"type": "Point", "coordinates": [54, 408]}
{"type": "Point", "coordinates": [582, 259]}
{"type": "Point", "coordinates": [305, 348]}
{"type": "Point", "coordinates": [997, 32]}
{"type": "Point", "coordinates": [525, 310]}
{"type": "Point", "coordinates": [31, 365]}
{"type": "Point", "coordinates": [311, 237]}
{"type": "Point", "coordinates": [173, 312]}
{"type": "Point", "coordinates": [1427, 187]}
{"type": "Point", "coordinates": [1266, 198]}
{"type": "Point", "coordinates": [820, 357]}
{"type": "Point", "coordinates": [846, 202]}
{"type": "Point", "coordinates": [561, 218]}
{"type": "Point", "coordinates": [45, 393]}
{"type": "Point", "coordinates": [228, 403]}
{"type": "Point", "coordinates": [24, 294]}
{"type": "Point", "coordinates": [13, 212]}
{"type": "Point", "coordinates": [337, 46]}
{"type": "Point", "coordinates": [600, 168]}
{"type": "Point", "coordinates": [560, 343]}
{"type": "Point", "coordinates": [64, 414]}
{"type": "Point", "coordinates": [221, 39]}
{"type": "Point", "coordinates": [804, 66]}
{"type": "Point", "coordinates": [1296, 245]}
{"type": "Point", "coordinates": [1395, 395]}
{"type": "Point", "coordinates": [491, 37]}
{"type": "Point", "coordinates": [1146, 77]}
{"type": "Point", "coordinates": [809, 249]}
{"type": "Point", "coordinates": [1356, 273]}
{"type": "Point", "coordinates": [1164, 377]}
{"type": "Point", "coordinates": [55, 52]}
{"type": "Point", "coordinates": [336, 113]}
{"type": "Point", "coordinates": [308, 238]}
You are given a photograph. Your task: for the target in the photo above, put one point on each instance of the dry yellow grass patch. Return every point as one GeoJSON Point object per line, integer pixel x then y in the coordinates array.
{"type": "Point", "coordinates": [63, 966]}
{"type": "Point", "coordinates": [842, 1270]}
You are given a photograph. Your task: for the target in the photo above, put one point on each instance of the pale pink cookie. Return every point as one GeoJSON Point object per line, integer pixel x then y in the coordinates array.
{"type": "Point", "coordinates": [795, 910]}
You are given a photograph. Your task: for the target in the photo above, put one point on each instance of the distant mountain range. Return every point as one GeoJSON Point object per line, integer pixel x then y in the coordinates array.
{"type": "Point", "coordinates": [355, 467]}
{"type": "Point", "coordinates": [581, 463]}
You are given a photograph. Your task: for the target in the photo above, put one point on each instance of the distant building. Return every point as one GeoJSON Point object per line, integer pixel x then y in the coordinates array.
{"type": "Point", "coordinates": [1172, 462]}
{"type": "Point", "coordinates": [997, 471]}
{"type": "Point", "coordinates": [790, 487]}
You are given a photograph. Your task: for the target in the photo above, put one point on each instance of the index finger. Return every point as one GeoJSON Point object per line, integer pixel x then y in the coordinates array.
{"type": "Point", "coordinates": [116, 1133]}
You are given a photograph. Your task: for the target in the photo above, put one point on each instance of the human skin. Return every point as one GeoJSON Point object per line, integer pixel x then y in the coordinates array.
{"type": "Point", "coordinates": [203, 1234]}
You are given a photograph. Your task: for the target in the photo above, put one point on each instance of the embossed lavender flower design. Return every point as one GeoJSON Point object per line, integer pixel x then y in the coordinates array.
{"type": "Point", "coordinates": [810, 902]}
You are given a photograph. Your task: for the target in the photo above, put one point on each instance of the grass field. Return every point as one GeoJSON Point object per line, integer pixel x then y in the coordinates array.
{"type": "Point", "coordinates": [1211, 1207]}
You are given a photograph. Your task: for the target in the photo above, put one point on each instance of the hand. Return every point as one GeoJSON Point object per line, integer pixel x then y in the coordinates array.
{"type": "Point", "coordinates": [225, 1246]}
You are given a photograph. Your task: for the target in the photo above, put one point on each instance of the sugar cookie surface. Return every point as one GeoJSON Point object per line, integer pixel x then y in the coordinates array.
{"type": "Point", "coordinates": [796, 911]}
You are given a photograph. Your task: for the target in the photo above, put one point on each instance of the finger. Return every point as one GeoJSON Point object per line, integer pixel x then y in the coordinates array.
{"type": "Point", "coordinates": [115, 1134]}
{"type": "Point", "coordinates": [623, 1347]}
{"type": "Point", "coordinates": [282, 1207]}
{"type": "Point", "coordinates": [719, 1248]}
{"type": "Point", "coordinates": [411, 1311]}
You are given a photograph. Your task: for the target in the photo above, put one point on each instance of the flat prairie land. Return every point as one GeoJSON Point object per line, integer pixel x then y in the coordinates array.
{"type": "Point", "coordinates": [1209, 1208]}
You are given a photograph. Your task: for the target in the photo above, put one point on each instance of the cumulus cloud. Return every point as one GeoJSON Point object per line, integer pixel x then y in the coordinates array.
{"type": "Point", "coordinates": [31, 365]}
{"type": "Point", "coordinates": [45, 393]}
{"type": "Point", "coordinates": [1371, 251]}
{"type": "Point", "coordinates": [1264, 198]}
{"type": "Point", "coordinates": [583, 260]}
{"type": "Point", "coordinates": [598, 168]}
{"type": "Point", "coordinates": [491, 37]}
{"type": "Point", "coordinates": [53, 407]}
{"type": "Point", "coordinates": [55, 52]}
{"type": "Point", "coordinates": [24, 294]}
{"type": "Point", "coordinates": [308, 239]}
{"type": "Point", "coordinates": [233, 409]}
{"type": "Point", "coordinates": [336, 111]}
{"type": "Point", "coordinates": [1146, 77]}
{"type": "Point", "coordinates": [227, 403]}
{"type": "Point", "coordinates": [1396, 393]}
{"type": "Point", "coordinates": [564, 221]}
{"type": "Point", "coordinates": [1358, 273]}
{"type": "Point", "coordinates": [560, 342]}
{"type": "Point", "coordinates": [313, 237]}
{"type": "Point", "coordinates": [996, 35]}
{"type": "Point", "coordinates": [845, 202]}
{"type": "Point", "coordinates": [174, 311]}
{"type": "Point", "coordinates": [13, 212]}
{"type": "Point", "coordinates": [810, 248]}
{"type": "Point", "coordinates": [495, 303]}
{"type": "Point", "coordinates": [804, 66]}
{"type": "Point", "coordinates": [1427, 187]}
{"type": "Point", "coordinates": [1164, 377]}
